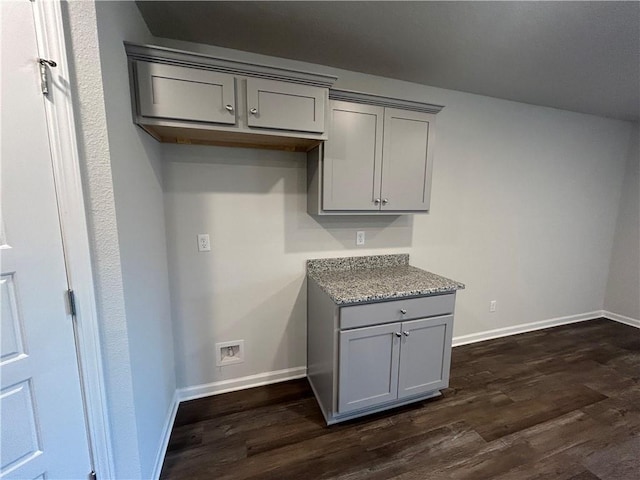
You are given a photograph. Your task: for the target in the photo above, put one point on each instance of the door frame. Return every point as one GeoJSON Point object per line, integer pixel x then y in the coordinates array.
{"type": "Point", "coordinates": [63, 140]}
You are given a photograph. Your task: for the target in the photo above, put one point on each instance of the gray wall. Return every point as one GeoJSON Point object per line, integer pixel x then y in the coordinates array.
{"type": "Point", "coordinates": [124, 194]}
{"type": "Point", "coordinates": [623, 288]}
{"type": "Point", "coordinates": [523, 211]}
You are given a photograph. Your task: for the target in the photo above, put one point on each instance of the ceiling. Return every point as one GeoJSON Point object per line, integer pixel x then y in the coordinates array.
{"type": "Point", "coordinates": [578, 56]}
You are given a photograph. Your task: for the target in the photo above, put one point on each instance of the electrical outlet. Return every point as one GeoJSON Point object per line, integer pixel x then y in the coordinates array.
{"type": "Point", "coordinates": [359, 238]}
{"type": "Point", "coordinates": [492, 305]}
{"type": "Point", "coordinates": [204, 245]}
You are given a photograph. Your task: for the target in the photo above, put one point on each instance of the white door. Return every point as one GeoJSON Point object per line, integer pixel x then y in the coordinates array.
{"type": "Point", "coordinates": [41, 408]}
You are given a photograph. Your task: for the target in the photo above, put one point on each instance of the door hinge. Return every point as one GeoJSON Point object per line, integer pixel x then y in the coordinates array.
{"type": "Point", "coordinates": [92, 475]}
{"type": "Point", "coordinates": [72, 302]}
{"type": "Point", "coordinates": [44, 73]}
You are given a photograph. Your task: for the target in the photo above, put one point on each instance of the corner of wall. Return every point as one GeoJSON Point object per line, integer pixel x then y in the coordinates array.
{"type": "Point", "coordinates": [82, 41]}
{"type": "Point", "coordinates": [622, 297]}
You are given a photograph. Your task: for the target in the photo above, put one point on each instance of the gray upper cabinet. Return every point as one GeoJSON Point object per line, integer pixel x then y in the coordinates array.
{"type": "Point", "coordinates": [180, 93]}
{"type": "Point", "coordinates": [407, 163]}
{"type": "Point", "coordinates": [378, 158]}
{"type": "Point", "coordinates": [285, 106]}
{"type": "Point", "coordinates": [352, 163]}
{"type": "Point", "coordinates": [185, 97]}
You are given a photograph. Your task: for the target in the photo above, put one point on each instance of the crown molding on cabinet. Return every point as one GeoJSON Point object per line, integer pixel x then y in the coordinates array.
{"type": "Point", "coordinates": [171, 56]}
{"type": "Point", "coordinates": [380, 101]}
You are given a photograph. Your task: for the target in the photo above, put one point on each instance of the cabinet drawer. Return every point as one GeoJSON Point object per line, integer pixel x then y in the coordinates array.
{"type": "Point", "coordinates": [285, 106]}
{"type": "Point", "coordinates": [385, 312]}
{"type": "Point", "coordinates": [180, 93]}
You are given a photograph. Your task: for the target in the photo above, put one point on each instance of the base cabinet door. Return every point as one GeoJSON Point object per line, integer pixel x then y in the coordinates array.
{"type": "Point", "coordinates": [368, 372]}
{"type": "Point", "coordinates": [425, 356]}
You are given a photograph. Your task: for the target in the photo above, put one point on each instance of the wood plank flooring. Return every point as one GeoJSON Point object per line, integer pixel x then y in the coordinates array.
{"type": "Point", "coordinates": [560, 403]}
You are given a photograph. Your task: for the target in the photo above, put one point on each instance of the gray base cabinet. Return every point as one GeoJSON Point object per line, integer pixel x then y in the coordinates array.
{"type": "Point", "coordinates": [361, 359]}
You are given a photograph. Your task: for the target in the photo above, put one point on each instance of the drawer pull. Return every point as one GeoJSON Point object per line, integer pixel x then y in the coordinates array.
{"type": "Point", "coordinates": [398, 334]}
{"type": "Point", "coordinates": [406, 334]}
{"type": "Point", "coordinates": [403, 311]}
{"type": "Point", "coordinates": [229, 108]}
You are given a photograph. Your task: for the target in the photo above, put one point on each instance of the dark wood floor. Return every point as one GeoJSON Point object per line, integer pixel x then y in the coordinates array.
{"type": "Point", "coordinates": [561, 403]}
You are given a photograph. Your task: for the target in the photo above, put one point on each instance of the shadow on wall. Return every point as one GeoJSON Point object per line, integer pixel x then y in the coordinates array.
{"type": "Point", "coordinates": [259, 172]}
{"type": "Point", "coordinates": [301, 228]}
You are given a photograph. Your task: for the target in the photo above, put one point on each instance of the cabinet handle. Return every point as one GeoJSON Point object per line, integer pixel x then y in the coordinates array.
{"type": "Point", "coordinates": [385, 201]}
{"type": "Point", "coordinates": [406, 334]}
{"type": "Point", "coordinates": [229, 107]}
{"type": "Point", "coordinates": [376, 201]}
{"type": "Point", "coordinates": [398, 334]}
{"type": "Point", "coordinates": [253, 111]}
{"type": "Point", "coordinates": [403, 311]}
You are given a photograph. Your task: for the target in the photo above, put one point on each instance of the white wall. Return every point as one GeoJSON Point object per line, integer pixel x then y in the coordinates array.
{"type": "Point", "coordinates": [124, 194]}
{"type": "Point", "coordinates": [524, 204]}
{"type": "Point", "coordinates": [137, 183]}
{"type": "Point", "coordinates": [86, 72]}
{"type": "Point", "coordinates": [623, 288]}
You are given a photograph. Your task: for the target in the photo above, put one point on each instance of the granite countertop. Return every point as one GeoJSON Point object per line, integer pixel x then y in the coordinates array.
{"type": "Point", "coordinates": [350, 280]}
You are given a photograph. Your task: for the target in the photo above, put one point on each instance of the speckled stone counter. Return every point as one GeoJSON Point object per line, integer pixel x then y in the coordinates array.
{"type": "Point", "coordinates": [364, 279]}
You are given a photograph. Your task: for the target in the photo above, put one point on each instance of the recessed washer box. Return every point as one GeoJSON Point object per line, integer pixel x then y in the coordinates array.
{"type": "Point", "coordinates": [228, 353]}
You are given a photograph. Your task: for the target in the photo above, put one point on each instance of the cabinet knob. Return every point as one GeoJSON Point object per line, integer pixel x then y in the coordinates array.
{"type": "Point", "coordinates": [229, 107]}
{"type": "Point", "coordinates": [405, 333]}
{"type": "Point", "coordinates": [403, 311]}
{"type": "Point", "coordinates": [253, 111]}
{"type": "Point", "coordinates": [385, 201]}
{"type": "Point", "coordinates": [376, 201]}
{"type": "Point", "coordinates": [398, 334]}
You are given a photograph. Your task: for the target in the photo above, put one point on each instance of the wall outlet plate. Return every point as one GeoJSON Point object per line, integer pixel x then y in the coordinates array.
{"type": "Point", "coordinates": [228, 353]}
{"type": "Point", "coordinates": [360, 238]}
{"type": "Point", "coordinates": [204, 244]}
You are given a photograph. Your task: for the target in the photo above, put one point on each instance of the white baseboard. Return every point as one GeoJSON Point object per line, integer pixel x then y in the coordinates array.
{"type": "Point", "coordinates": [633, 322]}
{"type": "Point", "coordinates": [166, 433]}
{"type": "Point", "coordinates": [525, 327]}
{"type": "Point", "coordinates": [225, 386]}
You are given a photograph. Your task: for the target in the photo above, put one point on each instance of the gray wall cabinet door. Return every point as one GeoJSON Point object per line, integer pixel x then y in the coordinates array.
{"type": "Point", "coordinates": [368, 372]}
{"type": "Point", "coordinates": [172, 92]}
{"type": "Point", "coordinates": [353, 157]}
{"type": "Point", "coordinates": [425, 356]}
{"type": "Point", "coordinates": [406, 181]}
{"type": "Point", "coordinates": [285, 106]}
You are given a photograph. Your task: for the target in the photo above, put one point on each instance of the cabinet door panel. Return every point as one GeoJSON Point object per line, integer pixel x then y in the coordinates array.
{"type": "Point", "coordinates": [285, 106]}
{"type": "Point", "coordinates": [425, 356]}
{"type": "Point", "coordinates": [368, 367]}
{"type": "Point", "coordinates": [353, 157]}
{"type": "Point", "coordinates": [172, 92]}
{"type": "Point", "coordinates": [406, 167]}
